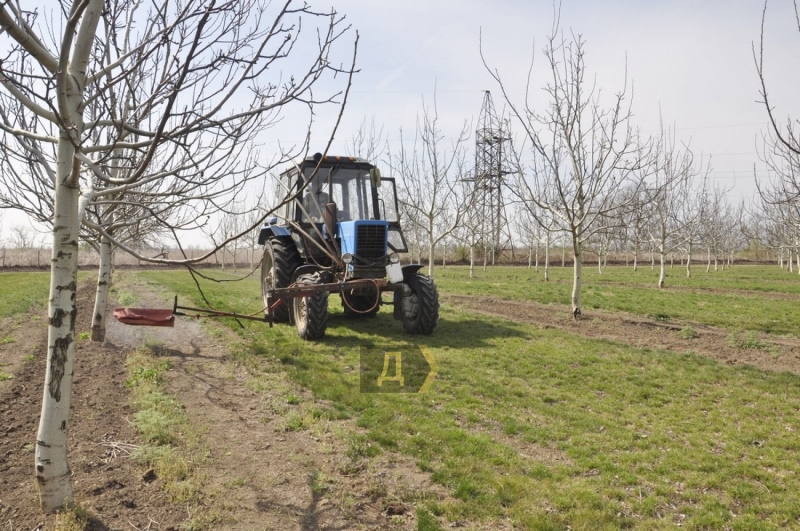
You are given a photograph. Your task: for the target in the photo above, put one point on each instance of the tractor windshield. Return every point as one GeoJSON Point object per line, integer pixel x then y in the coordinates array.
{"type": "Point", "coordinates": [352, 193]}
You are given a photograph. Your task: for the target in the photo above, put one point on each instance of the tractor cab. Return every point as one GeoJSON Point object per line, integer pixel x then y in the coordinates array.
{"type": "Point", "coordinates": [340, 232]}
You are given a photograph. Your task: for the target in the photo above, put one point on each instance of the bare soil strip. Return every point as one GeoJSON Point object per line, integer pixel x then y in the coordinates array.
{"type": "Point", "coordinates": [779, 354]}
{"type": "Point", "coordinates": [261, 471]}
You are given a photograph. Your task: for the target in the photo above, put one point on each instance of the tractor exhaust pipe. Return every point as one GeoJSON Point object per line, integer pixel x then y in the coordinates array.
{"type": "Point", "coordinates": [330, 220]}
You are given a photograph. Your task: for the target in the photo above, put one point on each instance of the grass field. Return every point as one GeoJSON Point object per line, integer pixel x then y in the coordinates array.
{"type": "Point", "coordinates": [554, 431]}
{"type": "Point", "coordinates": [745, 297]}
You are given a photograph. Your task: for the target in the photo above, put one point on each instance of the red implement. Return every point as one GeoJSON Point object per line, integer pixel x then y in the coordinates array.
{"type": "Point", "coordinates": [145, 317]}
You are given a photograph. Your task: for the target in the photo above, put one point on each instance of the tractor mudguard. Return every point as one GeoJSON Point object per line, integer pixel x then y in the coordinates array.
{"type": "Point", "coordinates": [270, 231]}
{"type": "Point", "coordinates": [409, 271]}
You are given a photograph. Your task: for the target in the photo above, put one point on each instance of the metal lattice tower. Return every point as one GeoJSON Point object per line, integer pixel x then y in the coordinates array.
{"type": "Point", "coordinates": [492, 148]}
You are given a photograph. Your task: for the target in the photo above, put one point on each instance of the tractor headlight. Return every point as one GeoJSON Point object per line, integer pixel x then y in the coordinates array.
{"type": "Point", "coordinates": [394, 258]}
{"type": "Point", "coordinates": [347, 258]}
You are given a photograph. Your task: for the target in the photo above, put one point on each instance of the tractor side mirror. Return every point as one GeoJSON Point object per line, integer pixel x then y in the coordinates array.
{"type": "Point", "coordinates": [375, 177]}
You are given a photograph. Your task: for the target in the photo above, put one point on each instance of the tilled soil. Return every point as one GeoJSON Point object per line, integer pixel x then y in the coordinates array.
{"type": "Point", "coordinates": [780, 354]}
{"type": "Point", "coordinates": [256, 475]}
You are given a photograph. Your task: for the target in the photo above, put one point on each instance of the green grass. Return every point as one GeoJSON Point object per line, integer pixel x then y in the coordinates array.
{"type": "Point", "coordinates": [762, 299]}
{"type": "Point", "coordinates": [171, 446]}
{"type": "Point", "coordinates": [21, 291]}
{"type": "Point", "coordinates": [550, 430]}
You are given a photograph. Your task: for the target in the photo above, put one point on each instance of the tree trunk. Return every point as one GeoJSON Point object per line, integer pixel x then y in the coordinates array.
{"type": "Point", "coordinates": [635, 260]}
{"type": "Point", "coordinates": [471, 261]}
{"type": "Point", "coordinates": [430, 258]}
{"type": "Point", "coordinates": [485, 258]}
{"type": "Point", "coordinates": [101, 295]}
{"type": "Point", "coordinates": [53, 475]}
{"type": "Point", "coordinates": [599, 263]}
{"type": "Point", "coordinates": [547, 260]}
{"type": "Point", "coordinates": [576, 281]}
{"type": "Point", "coordinates": [530, 258]}
{"type": "Point", "coordinates": [663, 273]}
{"type": "Point", "coordinates": [537, 257]}
{"type": "Point", "coordinates": [716, 265]}
{"type": "Point", "coordinates": [564, 256]}
{"type": "Point", "coordinates": [689, 262]}
{"type": "Point", "coordinates": [652, 260]}
{"type": "Point", "coordinates": [708, 256]}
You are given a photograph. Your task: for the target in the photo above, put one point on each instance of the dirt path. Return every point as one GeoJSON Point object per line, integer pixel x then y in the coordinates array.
{"type": "Point", "coordinates": [269, 463]}
{"type": "Point", "coordinates": [776, 354]}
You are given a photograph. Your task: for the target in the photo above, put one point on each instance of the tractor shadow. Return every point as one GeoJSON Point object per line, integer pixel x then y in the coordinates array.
{"type": "Point", "coordinates": [452, 331]}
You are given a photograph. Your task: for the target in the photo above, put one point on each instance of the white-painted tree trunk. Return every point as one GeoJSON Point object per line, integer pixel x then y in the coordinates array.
{"type": "Point", "coordinates": [472, 261]}
{"type": "Point", "coordinates": [530, 258]}
{"type": "Point", "coordinates": [430, 258]}
{"type": "Point", "coordinates": [101, 294]}
{"type": "Point", "coordinates": [485, 258]}
{"type": "Point", "coordinates": [652, 260]}
{"type": "Point", "coordinates": [537, 257]}
{"type": "Point", "coordinates": [708, 256]}
{"type": "Point", "coordinates": [564, 256]}
{"type": "Point", "coordinates": [635, 260]}
{"type": "Point", "coordinates": [663, 271]}
{"type": "Point", "coordinates": [576, 281]}
{"type": "Point", "coordinates": [599, 263]}
{"type": "Point", "coordinates": [547, 259]}
{"type": "Point", "coordinates": [689, 261]}
{"type": "Point", "coordinates": [53, 475]}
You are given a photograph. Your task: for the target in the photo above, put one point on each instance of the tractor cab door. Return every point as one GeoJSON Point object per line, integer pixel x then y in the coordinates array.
{"type": "Point", "coordinates": [389, 211]}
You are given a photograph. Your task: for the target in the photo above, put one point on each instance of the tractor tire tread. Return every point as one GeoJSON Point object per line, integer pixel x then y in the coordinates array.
{"type": "Point", "coordinates": [316, 311]}
{"type": "Point", "coordinates": [428, 306]}
{"type": "Point", "coordinates": [287, 259]}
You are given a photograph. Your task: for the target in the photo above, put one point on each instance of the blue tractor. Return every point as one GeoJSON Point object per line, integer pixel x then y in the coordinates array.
{"type": "Point", "coordinates": [340, 234]}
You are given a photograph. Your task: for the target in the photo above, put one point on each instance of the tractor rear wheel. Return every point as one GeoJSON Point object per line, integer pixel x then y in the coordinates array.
{"type": "Point", "coordinates": [310, 313]}
{"type": "Point", "coordinates": [277, 267]}
{"type": "Point", "coordinates": [421, 308]}
{"type": "Point", "coordinates": [364, 303]}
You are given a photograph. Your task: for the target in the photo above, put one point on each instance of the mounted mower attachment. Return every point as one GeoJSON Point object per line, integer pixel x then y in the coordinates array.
{"type": "Point", "coordinates": [156, 317]}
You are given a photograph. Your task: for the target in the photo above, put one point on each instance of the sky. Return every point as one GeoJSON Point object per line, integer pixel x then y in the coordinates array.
{"type": "Point", "coordinates": [688, 62]}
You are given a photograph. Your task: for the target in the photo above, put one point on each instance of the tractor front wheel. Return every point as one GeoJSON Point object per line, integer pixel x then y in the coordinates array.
{"type": "Point", "coordinates": [310, 313]}
{"type": "Point", "coordinates": [277, 267]}
{"type": "Point", "coordinates": [420, 307]}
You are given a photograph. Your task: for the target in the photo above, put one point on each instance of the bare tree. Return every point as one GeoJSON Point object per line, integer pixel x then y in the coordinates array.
{"type": "Point", "coordinates": [580, 149]}
{"type": "Point", "coordinates": [22, 237]}
{"type": "Point", "coordinates": [667, 192]}
{"type": "Point", "coordinates": [430, 197]}
{"type": "Point", "coordinates": [162, 100]}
